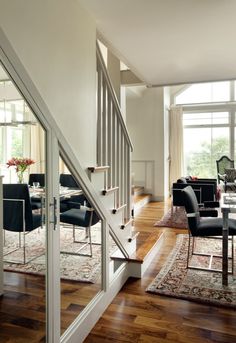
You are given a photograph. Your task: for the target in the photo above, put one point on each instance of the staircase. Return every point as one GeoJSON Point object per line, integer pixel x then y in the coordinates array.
{"type": "Point", "coordinates": [111, 178]}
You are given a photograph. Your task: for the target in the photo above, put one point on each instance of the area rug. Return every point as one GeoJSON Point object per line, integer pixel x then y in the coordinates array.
{"type": "Point", "coordinates": [175, 218]}
{"type": "Point", "coordinates": [201, 286]}
{"type": "Point", "coordinates": [76, 268]}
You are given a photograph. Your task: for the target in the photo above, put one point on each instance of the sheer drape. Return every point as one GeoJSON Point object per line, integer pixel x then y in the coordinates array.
{"type": "Point", "coordinates": [176, 143]}
{"type": "Point", "coordinates": [37, 147]}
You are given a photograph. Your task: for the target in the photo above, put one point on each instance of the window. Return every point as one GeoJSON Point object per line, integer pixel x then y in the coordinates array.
{"type": "Point", "coordinates": [14, 138]}
{"type": "Point", "coordinates": [209, 129]}
{"type": "Point", "coordinates": [202, 147]}
{"type": "Point", "coordinates": [205, 92]}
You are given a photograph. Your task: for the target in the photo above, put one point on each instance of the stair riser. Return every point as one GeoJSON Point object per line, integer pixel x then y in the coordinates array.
{"type": "Point", "coordinates": [98, 181]}
{"type": "Point", "coordinates": [139, 191]}
{"type": "Point", "coordinates": [138, 206]}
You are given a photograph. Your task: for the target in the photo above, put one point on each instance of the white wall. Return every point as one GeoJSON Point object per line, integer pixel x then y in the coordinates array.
{"type": "Point", "coordinates": [55, 41]}
{"type": "Point", "coordinates": [145, 121]}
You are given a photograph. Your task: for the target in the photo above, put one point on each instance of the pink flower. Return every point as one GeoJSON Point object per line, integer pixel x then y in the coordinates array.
{"type": "Point", "coordinates": [21, 164]}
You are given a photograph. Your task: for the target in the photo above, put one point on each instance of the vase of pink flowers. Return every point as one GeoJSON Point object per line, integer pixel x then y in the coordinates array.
{"type": "Point", "coordinates": [21, 164]}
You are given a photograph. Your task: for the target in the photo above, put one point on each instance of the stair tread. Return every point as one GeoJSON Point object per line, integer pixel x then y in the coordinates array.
{"type": "Point", "coordinates": [117, 209]}
{"type": "Point", "coordinates": [127, 221]}
{"type": "Point", "coordinates": [98, 169]}
{"type": "Point", "coordinates": [109, 190]}
{"type": "Point", "coordinates": [142, 252]}
{"type": "Point", "coordinates": [140, 197]}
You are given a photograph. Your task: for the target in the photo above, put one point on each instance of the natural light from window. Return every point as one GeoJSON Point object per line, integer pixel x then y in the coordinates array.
{"type": "Point", "coordinates": [205, 92]}
{"type": "Point", "coordinates": [209, 129]}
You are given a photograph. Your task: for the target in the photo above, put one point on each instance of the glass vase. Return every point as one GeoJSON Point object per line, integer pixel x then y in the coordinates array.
{"type": "Point", "coordinates": [20, 176]}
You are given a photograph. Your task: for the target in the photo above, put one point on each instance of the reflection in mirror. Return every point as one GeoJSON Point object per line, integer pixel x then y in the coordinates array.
{"type": "Point", "coordinates": [81, 248]}
{"type": "Point", "coordinates": [22, 159]}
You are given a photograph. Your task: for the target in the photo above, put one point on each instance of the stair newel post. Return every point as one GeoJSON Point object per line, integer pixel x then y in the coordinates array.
{"type": "Point", "coordinates": [99, 115]}
{"type": "Point", "coordinates": [109, 139]}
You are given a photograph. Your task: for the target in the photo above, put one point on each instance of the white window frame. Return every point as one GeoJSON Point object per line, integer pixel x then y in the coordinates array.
{"type": "Point", "coordinates": [229, 106]}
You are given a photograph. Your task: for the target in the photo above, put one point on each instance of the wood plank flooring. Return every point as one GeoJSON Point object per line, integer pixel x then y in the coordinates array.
{"type": "Point", "coordinates": [133, 316]}
{"type": "Point", "coordinates": [139, 317]}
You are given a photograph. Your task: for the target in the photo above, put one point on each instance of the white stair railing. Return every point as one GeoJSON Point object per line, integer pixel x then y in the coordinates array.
{"type": "Point", "coordinates": [114, 146]}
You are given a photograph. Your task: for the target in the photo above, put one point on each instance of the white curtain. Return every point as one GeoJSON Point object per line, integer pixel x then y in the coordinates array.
{"type": "Point", "coordinates": [37, 147]}
{"type": "Point", "coordinates": [176, 143]}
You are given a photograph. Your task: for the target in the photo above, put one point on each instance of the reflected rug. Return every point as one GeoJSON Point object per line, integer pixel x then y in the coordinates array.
{"type": "Point", "coordinates": [201, 286]}
{"type": "Point", "coordinates": [175, 218]}
{"type": "Point", "coordinates": [77, 268]}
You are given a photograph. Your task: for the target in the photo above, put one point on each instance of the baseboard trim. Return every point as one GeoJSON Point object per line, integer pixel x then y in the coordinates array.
{"type": "Point", "coordinates": [158, 198]}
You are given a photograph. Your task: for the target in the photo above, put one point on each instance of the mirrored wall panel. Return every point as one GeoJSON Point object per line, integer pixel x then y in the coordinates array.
{"type": "Point", "coordinates": [24, 234]}
{"type": "Point", "coordinates": [80, 248]}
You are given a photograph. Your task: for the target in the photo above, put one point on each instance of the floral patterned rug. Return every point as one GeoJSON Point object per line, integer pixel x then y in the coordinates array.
{"type": "Point", "coordinates": [77, 268]}
{"type": "Point", "coordinates": [175, 217]}
{"type": "Point", "coordinates": [201, 286]}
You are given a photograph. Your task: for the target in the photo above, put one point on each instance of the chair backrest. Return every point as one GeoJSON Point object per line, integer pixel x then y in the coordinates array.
{"type": "Point", "coordinates": [17, 211]}
{"type": "Point", "coordinates": [82, 200]}
{"type": "Point", "coordinates": [37, 178]}
{"type": "Point", "coordinates": [223, 163]}
{"type": "Point", "coordinates": [192, 209]}
{"type": "Point", "coordinates": [67, 180]}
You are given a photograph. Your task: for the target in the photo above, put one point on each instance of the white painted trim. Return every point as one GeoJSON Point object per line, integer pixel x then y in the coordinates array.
{"type": "Point", "coordinates": [53, 293]}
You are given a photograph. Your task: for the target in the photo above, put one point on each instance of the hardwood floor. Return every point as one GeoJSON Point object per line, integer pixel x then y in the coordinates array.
{"type": "Point", "coordinates": [137, 316]}
{"type": "Point", "coordinates": [133, 316]}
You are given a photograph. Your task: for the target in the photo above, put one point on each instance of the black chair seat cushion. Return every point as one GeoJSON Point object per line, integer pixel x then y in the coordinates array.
{"type": "Point", "coordinates": [75, 216]}
{"type": "Point", "coordinates": [213, 227]}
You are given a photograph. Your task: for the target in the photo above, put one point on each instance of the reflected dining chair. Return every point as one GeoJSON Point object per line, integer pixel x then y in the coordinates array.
{"type": "Point", "coordinates": [18, 215]}
{"type": "Point", "coordinates": [80, 216]}
{"type": "Point", "coordinates": [67, 180]}
{"type": "Point", "coordinates": [36, 202]}
{"type": "Point", "coordinates": [203, 227]}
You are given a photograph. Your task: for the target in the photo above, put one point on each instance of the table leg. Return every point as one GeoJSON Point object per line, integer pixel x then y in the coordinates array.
{"type": "Point", "coordinates": [225, 249]}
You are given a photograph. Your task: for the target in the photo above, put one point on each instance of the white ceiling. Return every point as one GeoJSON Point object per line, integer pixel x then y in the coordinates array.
{"type": "Point", "coordinates": [170, 41]}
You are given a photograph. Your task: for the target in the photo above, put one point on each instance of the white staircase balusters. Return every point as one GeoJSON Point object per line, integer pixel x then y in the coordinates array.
{"type": "Point", "coordinates": [114, 145]}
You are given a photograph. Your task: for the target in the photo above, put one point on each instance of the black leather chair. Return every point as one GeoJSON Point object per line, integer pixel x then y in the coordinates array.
{"type": "Point", "coordinates": [83, 217]}
{"type": "Point", "coordinates": [202, 227]}
{"type": "Point", "coordinates": [222, 164]}
{"type": "Point", "coordinates": [67, 180]}
{"type": "Point", "coordinates": [17, 212]}
{"type": "Point", "coordinates": [37, 177]}
{"type": "Point", "coordinates": [205, 191]}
